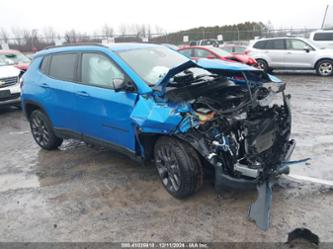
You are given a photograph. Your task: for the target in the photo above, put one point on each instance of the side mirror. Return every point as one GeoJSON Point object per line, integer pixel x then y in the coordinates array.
{"type": "Point", "coordinates": [118, 84]}
{"type": "Point", "coordinates": [307, 49]}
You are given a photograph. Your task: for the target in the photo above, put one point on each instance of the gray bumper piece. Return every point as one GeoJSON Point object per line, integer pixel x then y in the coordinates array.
{"type": "Point", "coordinates": [259, 210]}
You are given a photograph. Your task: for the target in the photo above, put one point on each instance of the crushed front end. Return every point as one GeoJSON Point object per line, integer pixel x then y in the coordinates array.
{"type": "Point", "coordinates": [242, 128]}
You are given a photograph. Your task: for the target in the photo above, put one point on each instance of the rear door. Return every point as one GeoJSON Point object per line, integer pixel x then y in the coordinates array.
{"type": "Point", "coordinates": [104, 114]}
{"type": "Point", "coordinates": [275, 51]}
{"type": "Point", "coordinates": [58, 85]}
{"type": "Point", "coordinates": [299, 54]}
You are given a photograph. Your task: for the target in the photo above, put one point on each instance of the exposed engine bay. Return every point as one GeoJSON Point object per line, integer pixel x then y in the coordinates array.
{"type": "Point", "coordinates": [238, 126]}
{"type": "Point", "coordinates": [243, 130]}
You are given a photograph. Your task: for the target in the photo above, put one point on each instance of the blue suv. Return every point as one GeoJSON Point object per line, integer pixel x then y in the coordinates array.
{"type": "Point", "coordinates": [155, 104]}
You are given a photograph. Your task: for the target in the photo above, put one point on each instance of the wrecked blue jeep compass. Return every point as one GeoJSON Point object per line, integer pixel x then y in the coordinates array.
{"type": "Point", "coordinates": [155, 104]}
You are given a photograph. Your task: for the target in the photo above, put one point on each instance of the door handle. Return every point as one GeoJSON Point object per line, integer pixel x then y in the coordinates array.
{"type": "Point", "coordinates": [83, 93]}
{"type": "Point", "coordinates": [44, 85]}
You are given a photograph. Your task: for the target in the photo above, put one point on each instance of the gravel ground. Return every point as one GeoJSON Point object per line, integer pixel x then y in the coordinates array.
{"type": "Point", "coordinates": [78, 193]}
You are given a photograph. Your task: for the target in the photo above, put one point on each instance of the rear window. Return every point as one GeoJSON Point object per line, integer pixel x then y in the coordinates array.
{"type": "Point", "coordinates": [275, 44]}
{"type": "Point", "coordinates": [63, 66]}
{"type": "Point", "coordinates": [325, 36]}
{"type": "Point", "coordinates": [260, 45]}
{"type": "Point", "coordinates": [44, 67]}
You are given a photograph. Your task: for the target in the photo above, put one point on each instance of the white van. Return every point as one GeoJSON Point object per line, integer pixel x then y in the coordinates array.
{"type": "Point", "coordinates": [322, 38]}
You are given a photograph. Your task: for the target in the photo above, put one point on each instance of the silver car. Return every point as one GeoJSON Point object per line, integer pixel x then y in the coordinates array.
{"type": "Point", "coordinates": [291, 53]}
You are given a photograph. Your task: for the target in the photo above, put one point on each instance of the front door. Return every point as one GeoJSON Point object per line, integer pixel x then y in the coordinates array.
{"type": "Point", "coordinates": [104, 113]}
{"type": "Point", "coordinates": [299, 54]}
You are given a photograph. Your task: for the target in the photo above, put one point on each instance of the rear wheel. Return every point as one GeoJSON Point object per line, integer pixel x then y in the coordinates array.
{"type": "Point", "coordinates": [42, 131]}
{"type": "Point", "coordinates": [325, 68]}
{"type": "Point", "coordinates": [262, 64]}
{"type": "Point", "coordinates": [178, 166]}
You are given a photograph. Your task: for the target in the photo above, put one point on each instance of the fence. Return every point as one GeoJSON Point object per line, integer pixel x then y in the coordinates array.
{"type": "Point", "coordinates": [34, 43]}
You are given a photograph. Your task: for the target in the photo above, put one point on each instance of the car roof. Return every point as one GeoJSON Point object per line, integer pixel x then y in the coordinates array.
{"type": "Point", "coordinates": [282, 37]}
{"type": "Point", "coordinates": [113, 47]}
{"type": "Point", "coordinates": [8, 51]}
{"type": "Point", "coordinates": [196, 46]}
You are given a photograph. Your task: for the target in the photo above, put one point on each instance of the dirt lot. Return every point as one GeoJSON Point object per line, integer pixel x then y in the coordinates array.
{"type": "Point", "coordinates": [79, 193]}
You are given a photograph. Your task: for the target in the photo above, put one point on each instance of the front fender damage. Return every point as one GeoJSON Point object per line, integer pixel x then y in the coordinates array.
{"type": "Point", "coordinates": [234, 127]}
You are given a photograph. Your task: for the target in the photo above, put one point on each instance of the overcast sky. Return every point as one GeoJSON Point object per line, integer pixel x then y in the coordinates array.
{"type": "Point", "coordinates": [172, 15]}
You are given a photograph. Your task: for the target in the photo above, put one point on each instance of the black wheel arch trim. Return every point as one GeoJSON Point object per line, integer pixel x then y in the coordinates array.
{"type": "Point", "coordinates": [38, 105]}
{"type": "Point", "coordinates": [322, 59]}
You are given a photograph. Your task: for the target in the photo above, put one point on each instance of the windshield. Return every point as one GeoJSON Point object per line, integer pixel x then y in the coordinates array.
{"type": "Point", "coordinates": [152, 63]}
{"type": "Point", "coordinates": [309, 42]}
{"type": "Point", "coordinates": [220, 52]}
{"type": "Point", "coordinates": [5, 61]}
{"type": "Point", "coordinates": [15, 58]}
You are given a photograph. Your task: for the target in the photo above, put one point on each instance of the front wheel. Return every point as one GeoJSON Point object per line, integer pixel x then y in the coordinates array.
{"type": "Point", "coordinates": [325, 68]}
{"type": "Point", "coordinates": [42, 131]}
{"type": "Point", "coordinates": [178, 166]}
{"type": "Point", "coordinates": [262, 64]}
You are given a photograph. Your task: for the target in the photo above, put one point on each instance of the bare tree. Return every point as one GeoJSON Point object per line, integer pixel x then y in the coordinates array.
{"type": "Point", "coordinates": [159, 30]}
{"type": "Point", "coordinates": [70, 36]}
{"type": "Point", "coordinates": [18, 34]}
{"type": "Point", "coordinates": [107, 31]}
{"type": "Point", "coordinates": [123, 29]}
{"type": "Point", "coordinates": [4, 36]}
{"type": "Point", "coordinates": [49, 34]}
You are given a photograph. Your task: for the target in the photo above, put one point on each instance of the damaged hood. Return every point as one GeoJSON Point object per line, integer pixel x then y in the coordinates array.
{"type": "Point", "coordinates": [175, 70]}
{"type": "Point", "coordinates": [209, 64]}
{"type": "Point", "coordinates": [224, 65]}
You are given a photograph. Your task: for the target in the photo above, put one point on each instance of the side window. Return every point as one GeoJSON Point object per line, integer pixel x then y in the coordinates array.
{"type": "Point", "coordinates": [297, 45]}
{"type": "Point", "coordinates": [99, 70]}
{"type": "Point", "coordinates": [260, 45]}
{"type": "Point", "coordinates": [44, 67]}
{"type": "Point", "coordinates": [325, 36]}
{"type": "Point", "coordinates": [275, 44]}
{"type": "Point", "coordinates": [201, 53]}
{"type": "Point", "coordinates": [186, 52]}
{"type": "Point", "coordinates": [63, 66]}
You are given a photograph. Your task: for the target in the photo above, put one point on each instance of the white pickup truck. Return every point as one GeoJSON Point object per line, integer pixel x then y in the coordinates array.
{"type": "Point", "coordinates": [9, 85]}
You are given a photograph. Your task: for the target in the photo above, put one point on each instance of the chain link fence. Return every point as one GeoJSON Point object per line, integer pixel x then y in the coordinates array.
{"type": "Point", "coordinates": [35, 42]}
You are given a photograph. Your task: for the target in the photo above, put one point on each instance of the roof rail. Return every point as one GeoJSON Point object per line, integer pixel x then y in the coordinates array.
{"type": "Point", "coordinates": [77, 44]}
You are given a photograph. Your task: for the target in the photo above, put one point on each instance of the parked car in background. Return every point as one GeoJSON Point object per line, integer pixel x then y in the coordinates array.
{"type": "Point", "coordinates": [291, 53]}
{"type": "Point", "coordinates": [206, 42]}
{"type": "Point", "coordinates": [198, 52]}
{"type": "Point", "coordinates": [15, 57]}
{"type": "Point", "coordinates": [169, 45]}
{"type": "Point", "coordinates": [9, 84]}
{"type": "Point", "coordinates": [233, 48]}
{"type": "Point", "coordinates": [322, 38]}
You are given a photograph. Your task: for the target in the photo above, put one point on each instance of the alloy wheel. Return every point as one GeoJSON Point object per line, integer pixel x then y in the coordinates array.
{"type": "Point", "coordinates": [168, 168]}
{"type": "Point", "coordinates": [326, 68]}
{"type": "Point", "coordinates": [39, 130]}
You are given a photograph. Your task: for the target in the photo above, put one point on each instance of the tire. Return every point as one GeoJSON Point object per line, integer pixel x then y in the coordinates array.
{"type": "Point", "coordinates": [324, 68]}
{"type": "Point", "coordinates": [178, 166]}
{"type": "Point", "coordinates": [42, 131]}
{"type": "Point", "coordinates": [262, 64]}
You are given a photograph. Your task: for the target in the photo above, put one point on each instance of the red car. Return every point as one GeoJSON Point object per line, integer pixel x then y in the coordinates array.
{"type": "Point", "coordinates": [16, 58]}
{"type": "Point", "coordinates": [197, 52]}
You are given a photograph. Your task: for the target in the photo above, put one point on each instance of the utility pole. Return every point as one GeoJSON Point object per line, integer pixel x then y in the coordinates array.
{"type": "Point", "coordinates": [322, 25]}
